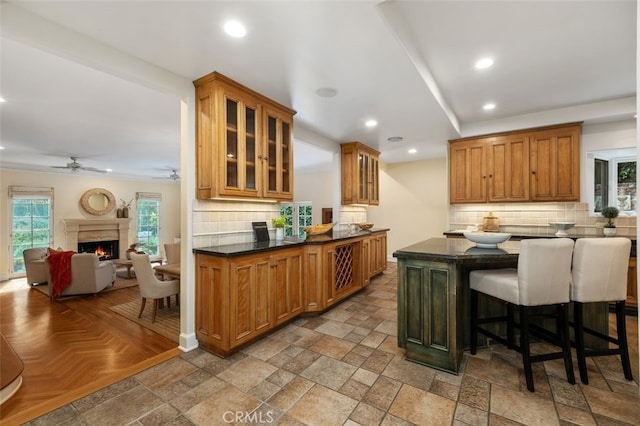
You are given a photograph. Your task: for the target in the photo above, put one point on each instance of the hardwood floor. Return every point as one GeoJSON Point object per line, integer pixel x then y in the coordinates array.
{"type": "Point", "coordinates": [71, 347]}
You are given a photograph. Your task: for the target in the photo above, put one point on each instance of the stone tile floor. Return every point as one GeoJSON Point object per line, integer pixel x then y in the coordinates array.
{"type": "Point", "coordinates": [344, 368]}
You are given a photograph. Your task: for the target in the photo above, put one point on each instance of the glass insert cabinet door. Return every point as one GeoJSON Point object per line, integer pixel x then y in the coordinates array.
{"type": "Point", "coordinates": [240, 146]}
{"type": "Point", "coordinates": [279, 158]}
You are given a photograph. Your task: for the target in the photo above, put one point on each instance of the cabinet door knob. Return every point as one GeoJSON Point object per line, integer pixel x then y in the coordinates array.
{"type": "Point", "coordinates": [533, 172]}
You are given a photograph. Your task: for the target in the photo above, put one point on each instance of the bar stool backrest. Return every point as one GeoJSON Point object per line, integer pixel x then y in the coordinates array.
{"type": "Point", "coordinates": [600, 269]}
{"type": "Point", "coordinates": [544, 271]}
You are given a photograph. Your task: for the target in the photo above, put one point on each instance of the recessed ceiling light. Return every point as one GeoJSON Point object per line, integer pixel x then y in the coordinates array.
{"type": "Point", "coordinates": [327, 92]}
{"type": "Point", "coordinates": [109, 170]}
{"type": "Point", "coordinates": [1, 148]}
{"type": "Point", "coordinates": [235, 29]}
{"type": "Point", "coordinates": [489, 106]}
{"type": "Point", "coordinates": [412, 151]}
{"type": "Point", "coordinates": [371, 123]}
{"type": "Point", "coordinates": [395, 139]}
{"type": "Point", "coordinates": [2, 100]}
{"type": "Point", "coordinates": [484, 63]}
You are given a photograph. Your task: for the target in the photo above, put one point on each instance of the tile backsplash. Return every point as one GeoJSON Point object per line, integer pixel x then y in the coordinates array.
{"type": "Point", "coordinates": [534, 218]}
{"type": "Point", "coordinates": [218, 222]}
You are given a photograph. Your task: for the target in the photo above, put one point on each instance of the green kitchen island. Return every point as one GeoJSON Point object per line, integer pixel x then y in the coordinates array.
{"type": "Point", "coordinates": [433, 298]}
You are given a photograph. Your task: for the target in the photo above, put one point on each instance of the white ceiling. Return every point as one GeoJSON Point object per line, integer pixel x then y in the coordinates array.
{"type": "Point", "coordinates": [408, 64]}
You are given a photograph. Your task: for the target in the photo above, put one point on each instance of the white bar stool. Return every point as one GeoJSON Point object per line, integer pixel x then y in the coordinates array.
{"type": "Point", "coordinates": [600, 275]}
{"type": "Point", "coordinates": [543, 278]}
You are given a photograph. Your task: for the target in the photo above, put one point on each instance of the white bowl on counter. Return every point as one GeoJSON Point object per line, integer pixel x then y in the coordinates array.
{"type": "Point", "coordinates": [487, 239]}
{"type": "Point", "coordinates": [561, 228]}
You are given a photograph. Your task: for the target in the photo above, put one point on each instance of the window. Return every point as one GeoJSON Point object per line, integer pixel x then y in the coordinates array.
{"type": "Point", "coordinates": [298, 215]}
{"type": "Point", "coordinates": [31, 221]}
{"type": "Point", "coordinates": [148, 206]}
{"type": "Point", "coordinates": [614, 180]}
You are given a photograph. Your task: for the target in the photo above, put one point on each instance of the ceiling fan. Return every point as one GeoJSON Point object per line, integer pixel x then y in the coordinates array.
{"type": "Point", "coordinates": [173, 176]}
{"type": "Point", "coordinates": [75, 167]}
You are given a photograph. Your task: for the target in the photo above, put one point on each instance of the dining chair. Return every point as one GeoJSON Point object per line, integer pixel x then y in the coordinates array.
{"type": "Point", "coordinates": [151, 287]}
{"type": "Point", "coordinates": [172, 253]}
{"type": "Point", "coordinates": [541, 279]}
{"type": "Point", "coordinates": [600, 275]}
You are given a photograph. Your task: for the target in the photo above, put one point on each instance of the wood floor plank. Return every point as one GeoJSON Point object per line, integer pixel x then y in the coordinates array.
{"type": "Point", "coordinates": [71, 347]}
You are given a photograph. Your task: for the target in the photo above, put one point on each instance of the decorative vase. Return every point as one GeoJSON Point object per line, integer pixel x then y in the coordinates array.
{"type": "Point", "coordinates": [125, 212]}
{"type": "Point", "coordinates": [609, 232]}
{"type": "Point", "coordinates": [279, 234]}
{"type": "Point", "coordinates": [119, 212]}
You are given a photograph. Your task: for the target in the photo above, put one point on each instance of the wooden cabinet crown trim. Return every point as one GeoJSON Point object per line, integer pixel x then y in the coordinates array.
{"type": "Point", "coordinates": [216, 76]}
{"type": "Point", "coordinates": [516, 132]}
{"type": "Point", "coordinates": [361, 147]}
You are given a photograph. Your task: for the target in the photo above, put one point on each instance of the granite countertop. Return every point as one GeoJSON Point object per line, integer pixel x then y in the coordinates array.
{"type": "Point", "coordinates": [457, 249]}
{"type": "Point", "coordinates": [231, 250]}
{"type": "Point", "coordinates": [550, 234]}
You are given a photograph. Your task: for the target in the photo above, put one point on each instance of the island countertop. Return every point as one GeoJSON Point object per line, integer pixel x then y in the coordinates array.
{"type": "Point", "coordinates": [241, 249]}
{"type": "Point", "coordinates": [459, 250]}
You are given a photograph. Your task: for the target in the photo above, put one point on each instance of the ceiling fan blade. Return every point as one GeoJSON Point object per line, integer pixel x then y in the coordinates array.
{"type": "Point", "coordinates": [60, 167]}
{"type": "Point", "coordinates": [93, 169]}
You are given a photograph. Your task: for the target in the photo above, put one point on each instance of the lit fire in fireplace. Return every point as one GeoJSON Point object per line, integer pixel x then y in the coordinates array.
{"type": "Point", "coordinates": [100, 252]}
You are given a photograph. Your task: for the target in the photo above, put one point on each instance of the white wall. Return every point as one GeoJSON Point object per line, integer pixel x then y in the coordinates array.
{"type": "Point", "coordinates": [66, 204]}
{"type": "Point", "coordinates": [316, 187]}
{"type": "Point", "coordinates": [413, 202]}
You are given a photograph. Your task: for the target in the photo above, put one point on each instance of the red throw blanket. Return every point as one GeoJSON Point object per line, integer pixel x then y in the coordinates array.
{"type": "Point", "coordinates": [60, 269]}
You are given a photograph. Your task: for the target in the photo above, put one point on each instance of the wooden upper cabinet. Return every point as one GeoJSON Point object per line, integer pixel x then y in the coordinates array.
{"type": "Point", "coordinates": [360, 174]}
{"type": "Point", "coordinates": [555, 164]}
{"type": "Point", "coordinates": [278, 156]}
{"type": "Point", "coordinates": [529, 165]}
{"type": "Point", "coordinates": [508, 161]}
{"type": "Point", "coordinates": [468, 171]}
{"type": "Point", "coordinates": [244, 146]}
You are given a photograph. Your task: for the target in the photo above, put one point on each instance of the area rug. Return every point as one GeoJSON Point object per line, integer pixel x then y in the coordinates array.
{"type": "Point", "coordinates": [119, 285]}
{"type": "Point", "coordinates": [167, 319]}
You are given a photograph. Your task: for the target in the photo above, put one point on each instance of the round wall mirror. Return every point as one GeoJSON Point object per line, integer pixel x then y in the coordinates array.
{"type": "Point", "coordinates": [97, 201]}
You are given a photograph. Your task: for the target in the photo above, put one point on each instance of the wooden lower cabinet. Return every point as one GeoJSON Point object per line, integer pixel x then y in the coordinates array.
{"type": "Point", "coordinates": [374, 256]}
{"type": "Point", "coordinates": [336, 270]}
{"type": "Point", "coordinates": [429, 314]}
{"type": "Point", "coordinates": [241, 298]}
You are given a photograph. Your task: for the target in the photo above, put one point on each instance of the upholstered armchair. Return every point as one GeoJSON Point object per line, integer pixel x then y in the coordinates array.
{"type": "Point", "coordinates": [34, 265]}
{"type": "Point", "coordinates": [88, 275]}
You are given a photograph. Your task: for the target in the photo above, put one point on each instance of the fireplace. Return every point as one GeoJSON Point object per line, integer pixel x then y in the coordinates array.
{"type": "Point", "coordinates": [105, 250]}
{"type": "Point", "coordinates": [94, 231]}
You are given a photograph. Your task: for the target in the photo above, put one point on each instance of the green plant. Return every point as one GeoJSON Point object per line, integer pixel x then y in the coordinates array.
{"type": "Point", "coordinates": [610, 213]}
{"type": "Point", "coordinates": [279, 222]}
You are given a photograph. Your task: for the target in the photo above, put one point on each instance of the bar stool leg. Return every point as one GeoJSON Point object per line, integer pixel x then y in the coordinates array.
{"type": "Point", "coordinates": [622, 339]}
{"type": "Point", "coordinates": [473, 330]}
{"type": "Point", "coordinates": [524, 347]}
{"type": "Point", "coordinates": [563, 332]}
{"type": "Point", "coordinates": [579, 331]}
{"type": "Point", "coordinates": [510, 333]}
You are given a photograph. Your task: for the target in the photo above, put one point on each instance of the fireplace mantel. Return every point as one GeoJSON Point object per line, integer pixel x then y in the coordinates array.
{"type": "Point", "coordinates": [86, 230]}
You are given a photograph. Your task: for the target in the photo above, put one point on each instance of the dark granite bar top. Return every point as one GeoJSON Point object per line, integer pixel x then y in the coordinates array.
{"type": "Point", "coordinates": [550, 234]}
{"type": "Point", "coordinates": [231, 250]}
{"type": "Point", "coordinates": [458, 250]}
